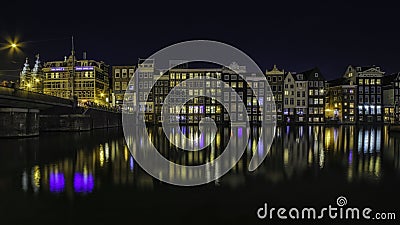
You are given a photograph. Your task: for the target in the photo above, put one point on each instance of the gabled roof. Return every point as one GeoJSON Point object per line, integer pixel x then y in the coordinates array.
{"type": "Point", "coordinates": [361, 69]}
{"type": "Point", "coordinates": [274, 71]}
{"type": "Point", "coordinates": [388, 79]}
{"type": "Point", "coordinates": [311, 74]}
{"type": "Point", "coordinates": [338, 82]}
{"type": "Point", "coordinates": [299, 77]}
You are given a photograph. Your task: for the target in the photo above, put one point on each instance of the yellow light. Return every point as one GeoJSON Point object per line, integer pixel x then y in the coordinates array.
{"type": "Point", "coordinates": [37, 80]}
{"type": "Point", "coordinates": [28, 85]}
{"type": "Point", "coordinates": [102, 94]}
{"type": "Point", "coordinates": [13, 45]}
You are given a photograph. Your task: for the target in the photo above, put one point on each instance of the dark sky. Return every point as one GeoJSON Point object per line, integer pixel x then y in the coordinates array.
{"type": "Point", "coordinates": [295, 36]}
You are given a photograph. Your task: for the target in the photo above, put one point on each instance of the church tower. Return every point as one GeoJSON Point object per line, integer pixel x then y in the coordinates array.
{"type": "Point", "coordinates": [25, 77]}
{"type": "Point", "coordinates": [37, 76]}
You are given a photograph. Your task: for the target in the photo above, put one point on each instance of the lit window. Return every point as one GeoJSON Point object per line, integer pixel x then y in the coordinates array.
{"type": "Point", "coordinates": [117, 86]}
{"type": "Point", "coordinates": [124, 86]}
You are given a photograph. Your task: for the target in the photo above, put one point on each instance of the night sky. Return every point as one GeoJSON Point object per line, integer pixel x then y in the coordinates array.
{"type": "Point", "coordinates": [296, 37]}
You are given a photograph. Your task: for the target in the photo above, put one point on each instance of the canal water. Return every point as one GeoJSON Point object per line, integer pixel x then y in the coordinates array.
{"type": "Point", "coordinates": [91, 177]}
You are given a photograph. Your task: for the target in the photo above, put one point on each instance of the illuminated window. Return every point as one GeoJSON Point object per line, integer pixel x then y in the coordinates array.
{"type": "Point", "coordinates": [124, 86]}
{"type": "Point", "coordinates": [124, 73]}
{"type": "Point", "coordinates": [378, 81]}
{"type": "Point", "coordinates": [361, 81]}
{"type": "Point", "coordinates": [117, 86]}
{"type": "Point", "coordinates": [131, 72]}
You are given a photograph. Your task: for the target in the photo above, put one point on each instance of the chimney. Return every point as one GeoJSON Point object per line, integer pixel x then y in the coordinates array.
{"type": "Point", "coordinates": [84, 55]}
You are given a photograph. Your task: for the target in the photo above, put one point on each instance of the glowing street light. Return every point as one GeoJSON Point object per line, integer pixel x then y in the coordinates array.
{"type": "Point", "coordinates": [12, 45]}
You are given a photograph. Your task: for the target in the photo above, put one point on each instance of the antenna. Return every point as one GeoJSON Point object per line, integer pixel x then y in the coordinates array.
{"type": "Point", "coordinates": [73, 69]}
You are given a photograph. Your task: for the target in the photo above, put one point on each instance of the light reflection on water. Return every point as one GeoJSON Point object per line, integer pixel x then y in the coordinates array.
{"type": "Point", "coordinates": [84, 163]}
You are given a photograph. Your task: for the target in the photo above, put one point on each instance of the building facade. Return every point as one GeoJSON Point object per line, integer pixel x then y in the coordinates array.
{"type": "Point", "coordinates": [316, 96]}
{"type": "Point", "coordinates": [391, 90]}
{"type": "Point", "coordinates": [301, 98]}
{"type": "Point", "coordinates": [201, 105]}
{"type": "Point", "coordinates": [369, 92]}
{"type": "Point", "coordinates": [341, 101]}
{"type": "Point", "coordinates": [90, 81]}
{"type": "Point", "coordinates": [32, 80]}
{"type": "Point", "coordinates": [275, 78]}
{"type": "Point", "coordinates": [289, 109]}
{"type": "Point", "coordinates": [144, 80]}
{"type": "Point", "coordinates": [121, 77]}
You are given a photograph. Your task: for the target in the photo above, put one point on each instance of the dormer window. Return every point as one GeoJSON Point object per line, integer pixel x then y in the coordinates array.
{"type": "Point", "coordinates": [316, 74]}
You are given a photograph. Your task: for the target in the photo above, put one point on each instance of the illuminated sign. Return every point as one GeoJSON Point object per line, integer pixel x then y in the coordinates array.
{"type": "Point", "coordinates": [77, 68]}
{"type": "Point", "coordinates": [57, 69]}
{"type": "Point", "coordinates": [84, 68]}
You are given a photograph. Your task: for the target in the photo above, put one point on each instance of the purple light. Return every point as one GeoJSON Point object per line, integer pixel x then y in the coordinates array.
{"type": "Point", "coordinates": [83, 183]}
{"type": "Point", "coordinates": [131, 163]}
{"type": "Point", "coordinates": [202, 140]}
{"type": "Point", "coordinates": [350, 157]}
{"type": "Point", "coordinates": [240, 132]}
{"type": "Point", "coordinates": [260, 148]}
{"type": "Point", "coordinates": [57, 69]}
{"type": "Point", "coordinates": [201, 109]}
{"type": "Point", "coordinates": [56, 182]}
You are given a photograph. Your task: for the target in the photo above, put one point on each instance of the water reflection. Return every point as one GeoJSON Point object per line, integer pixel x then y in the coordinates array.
{"type": "Point", "coordinates": [76, 164]}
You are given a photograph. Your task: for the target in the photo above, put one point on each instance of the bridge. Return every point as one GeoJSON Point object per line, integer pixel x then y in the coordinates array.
{"type": "Point", "coordinates": [24, 113]}
{"type": "Point", "coordinates": [13, 97]}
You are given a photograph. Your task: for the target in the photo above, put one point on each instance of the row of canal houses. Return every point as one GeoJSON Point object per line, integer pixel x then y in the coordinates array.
{"type": "Point", "coordinates": [364, 94]}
